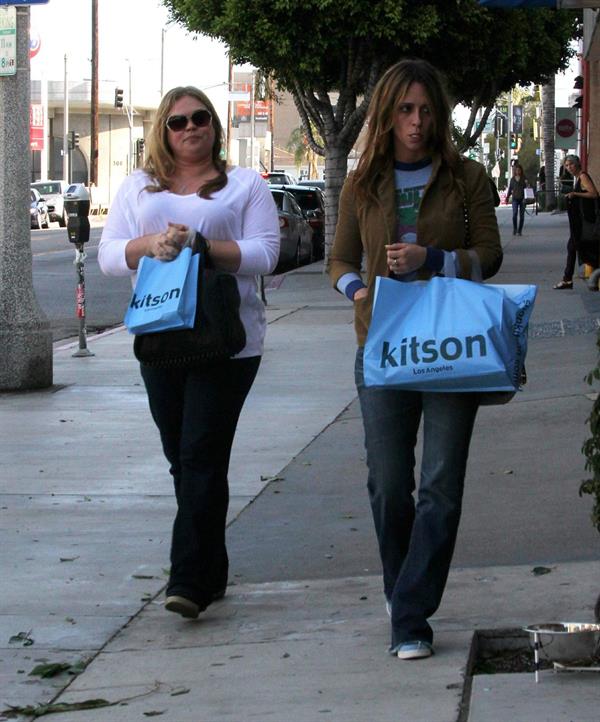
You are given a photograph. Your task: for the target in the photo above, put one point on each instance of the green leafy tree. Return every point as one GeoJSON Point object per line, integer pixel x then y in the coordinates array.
{"type": "Point", "coordinates": [329, 55]}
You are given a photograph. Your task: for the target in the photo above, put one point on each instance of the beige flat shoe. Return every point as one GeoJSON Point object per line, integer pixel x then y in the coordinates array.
{"type": "Point", "coordinates": [183, 606]}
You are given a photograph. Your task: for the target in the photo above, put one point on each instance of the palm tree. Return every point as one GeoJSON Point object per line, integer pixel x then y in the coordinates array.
{"type": "Point", "coordinates": [548, 124]}
{"type": "Point", "coordinates": [299, 146]}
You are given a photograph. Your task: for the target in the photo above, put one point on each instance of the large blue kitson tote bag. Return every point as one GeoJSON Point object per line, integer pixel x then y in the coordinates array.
{"type": "Point", "coordinates": [165, 294]}
{"type": "Point", "coordinates": [448, 334]}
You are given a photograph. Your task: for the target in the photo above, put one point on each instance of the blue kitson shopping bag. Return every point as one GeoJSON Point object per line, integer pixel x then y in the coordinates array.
{"type": "Point", "coordinates": [165, 294]}
{"type": "Point", "coordinates": [447, 334]}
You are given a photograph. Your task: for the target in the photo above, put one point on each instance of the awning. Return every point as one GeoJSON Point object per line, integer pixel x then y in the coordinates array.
{"type": "Point", "coordinates": [558, 4]}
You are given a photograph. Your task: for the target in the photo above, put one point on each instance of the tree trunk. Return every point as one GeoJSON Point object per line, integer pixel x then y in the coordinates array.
{"type": "Point", "coordinates": [336, 165]}
{"type": "Point", "coordinates": [548, 124]}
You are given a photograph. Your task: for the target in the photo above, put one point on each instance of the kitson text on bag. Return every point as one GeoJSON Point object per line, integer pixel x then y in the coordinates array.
{"type": "Point", "coordinates": [429, 351]}
{"type": "Point", "coordinates": [149, 300]}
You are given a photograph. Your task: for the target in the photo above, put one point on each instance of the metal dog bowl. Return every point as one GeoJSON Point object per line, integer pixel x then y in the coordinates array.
{"type": "Point", "coordinates": [566, 642]}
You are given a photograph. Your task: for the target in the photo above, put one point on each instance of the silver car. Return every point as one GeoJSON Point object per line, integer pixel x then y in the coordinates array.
{"type": "Point", "coordinates": [296, 233]}
{"type": "Point", "coordinates": [52, 191]}
{"type": "Point", "coordinates": [38, 210]}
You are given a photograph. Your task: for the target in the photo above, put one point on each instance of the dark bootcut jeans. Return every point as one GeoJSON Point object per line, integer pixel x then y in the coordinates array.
{"type": "Point", "coordinates": [518, 209]}
{"type": "Point", "coordinates": [416, 542]}
{"type": "Point", "coordinates": [196, 412]}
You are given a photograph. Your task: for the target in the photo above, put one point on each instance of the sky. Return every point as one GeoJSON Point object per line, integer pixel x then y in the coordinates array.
{"type": "Point", "coordinates": [129, 33]}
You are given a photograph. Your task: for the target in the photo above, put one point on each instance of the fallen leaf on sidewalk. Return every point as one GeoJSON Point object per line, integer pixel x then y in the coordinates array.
{"type": "Point", "coordinates": [272, 478]}
{"type": "Point", "coordinates": [45, 671]}
{"type": "Point", "coordinates": [538, 571]}
{"type": "Point", "coordinates": [68, 559]}
{"type": "Point", "coordinates": [154, 713]}
{"type": "Point", "coordinates": [177, 692]}
{"type": "Point", "coordinates": [23, 637]}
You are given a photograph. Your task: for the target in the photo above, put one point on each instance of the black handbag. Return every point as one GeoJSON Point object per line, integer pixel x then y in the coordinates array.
{"type": "Point", "coordinates": [590, 230]}
{"type": "Point", "coordinates": [218, 331]}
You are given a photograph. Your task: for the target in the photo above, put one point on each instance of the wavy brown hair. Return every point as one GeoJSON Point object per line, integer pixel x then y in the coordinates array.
{"type": "Point", "coordinates": [390, 91]}
{"type": "Point", "coordinates": [160, 162]}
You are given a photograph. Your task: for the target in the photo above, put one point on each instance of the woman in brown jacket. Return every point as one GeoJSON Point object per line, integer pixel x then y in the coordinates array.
{"type": "Point", "coordinates": [404, 208]}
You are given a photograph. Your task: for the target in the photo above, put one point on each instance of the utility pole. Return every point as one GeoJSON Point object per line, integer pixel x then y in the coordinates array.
{"type": "Point", "coordinates": [162, 62]}
{"type": "Point", "coordinates": [94, 108]}
{"type": "Point", "coordinates": [66, 127]}
{"type": "Point", "coordinates": [229, 118]}
{"type": "Point", "coordinates": [25, 335]}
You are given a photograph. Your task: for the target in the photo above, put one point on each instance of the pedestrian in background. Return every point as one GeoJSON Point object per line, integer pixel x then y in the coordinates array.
{"type": "Point", "coordinates": [404, 209]}
{"type": "Point", "coordinates": [580, 204]}
{"type": "Point", "coordinates": [186, 186]}
{"type": "Point", "coordinates": [516, 191]}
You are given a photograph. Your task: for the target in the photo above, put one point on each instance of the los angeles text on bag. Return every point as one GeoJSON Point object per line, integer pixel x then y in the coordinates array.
{"type": "Point", "coordinates": [218, 332]}
{"type": "Point", "coordinates": [448, 335]}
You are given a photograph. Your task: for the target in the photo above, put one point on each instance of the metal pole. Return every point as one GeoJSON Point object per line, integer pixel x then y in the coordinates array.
{"type": "Point", "coordinates": [162, 61]}
{"type": "Point", "coordinates": [94, 108]}
{"type": "Point", "coordinates": [252, 121]}
{"type": "Point", "coordinates": [66, 126]}
{"type": "Point", "coordinates": [80, 257]}
{"type": "Point", "coordinates": [509, 125]}
{"type": "Point", "coordinates": [45, 149]}
{"type": "Point", "coordinates": [130, 119]}
{"type": "Point", "coordinates": [229, 119]}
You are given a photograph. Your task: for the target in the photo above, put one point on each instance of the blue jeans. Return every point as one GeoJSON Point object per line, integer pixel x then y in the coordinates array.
{"type": "Point", "coordinates": [518, 209]}
{"type": "Point", "coordinates": [416, 541]}
{"type": "Point", "coordinates": [196, 412]}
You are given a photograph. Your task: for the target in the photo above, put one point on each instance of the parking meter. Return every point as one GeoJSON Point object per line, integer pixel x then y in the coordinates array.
{"type": "Point", "coordinates": [77, 206]}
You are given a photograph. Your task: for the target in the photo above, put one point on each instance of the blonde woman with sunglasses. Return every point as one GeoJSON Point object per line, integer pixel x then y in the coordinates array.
{"type": "Point", "coordinates": [186, 187]}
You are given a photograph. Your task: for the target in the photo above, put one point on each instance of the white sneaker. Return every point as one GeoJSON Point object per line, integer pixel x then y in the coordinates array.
{"type": "Point", "coordinates": [414, 650]}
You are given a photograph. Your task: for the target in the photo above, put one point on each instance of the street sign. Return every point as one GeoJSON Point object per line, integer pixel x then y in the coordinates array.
{"type": "Point", "coordinates": [35, 43]}
{"type": "Point", "coordinates": [565, 129]}
{"type": "Point", "coordinates": [36, 126]}
{"type": "Point", "coordinates": [8, 41]}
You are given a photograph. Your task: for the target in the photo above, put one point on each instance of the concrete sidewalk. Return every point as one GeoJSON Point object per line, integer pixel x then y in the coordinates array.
{"type": "Point", "coordinates": [86, 509]}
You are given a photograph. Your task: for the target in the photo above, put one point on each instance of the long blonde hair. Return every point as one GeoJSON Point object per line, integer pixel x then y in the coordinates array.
{"type": "Point", "coordinates": [389, 93]}
{"type": "Point", "coordinates": [160, 162]}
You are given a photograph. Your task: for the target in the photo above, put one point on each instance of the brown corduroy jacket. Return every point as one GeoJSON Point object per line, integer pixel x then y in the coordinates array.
{"type": "Point", "coordinates": [440, 223]}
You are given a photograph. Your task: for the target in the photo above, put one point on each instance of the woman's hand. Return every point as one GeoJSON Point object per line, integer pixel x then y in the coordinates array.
{"type": "Point", "coordinates": [360, 293]}
{"type": "Point", "coordinates": [167, 245]}
{"type": "Point", "coordinates": [405, 257]}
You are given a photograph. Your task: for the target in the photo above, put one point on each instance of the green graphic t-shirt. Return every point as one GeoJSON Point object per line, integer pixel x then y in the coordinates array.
{"type": "Point", "coordinates": [410, 181]}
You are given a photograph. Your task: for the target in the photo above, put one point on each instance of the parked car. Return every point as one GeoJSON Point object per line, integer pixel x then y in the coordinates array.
{"type": "Point", "coordinates": [312, 204]}
{"type": "Point", "coordinates": [314, 183]}
{"type": "Point", "coordinates": [296, 233]}
{"type": "Point", "coordinates": [38, 211]}
{"type": "Point", "coordinates": [53, 191]}
{"type": "Point", "coordinates": [278, 177]}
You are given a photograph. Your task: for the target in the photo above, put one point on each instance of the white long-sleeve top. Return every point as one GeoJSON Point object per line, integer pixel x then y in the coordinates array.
{"type": "Point", "coordinates": [243, 211]}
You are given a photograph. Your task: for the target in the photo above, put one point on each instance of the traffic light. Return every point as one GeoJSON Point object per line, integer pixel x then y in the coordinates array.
{"type": "Point", "coordinates": [118, 97]}
{"type": "Point", "coordinates": [73, 140]}
{"type": "Point", "coordinates": [578, 85]}
{"type": "Point", "coordinates": [139, 152]}
{"type": "Point", "coordinates": [513, 140]}
{"type": "Point", "coordinates": [499, 126]}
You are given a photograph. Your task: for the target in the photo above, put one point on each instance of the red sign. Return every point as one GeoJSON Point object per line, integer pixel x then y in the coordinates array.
{"type": "Point", "coordinates": [35, 43]}
{"type": "Point", "coordinates": [36, 126]}
{"type": "Point", "coordinates": [261, 110]}
{"type": "Point", "coordinates": [565, 128]}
